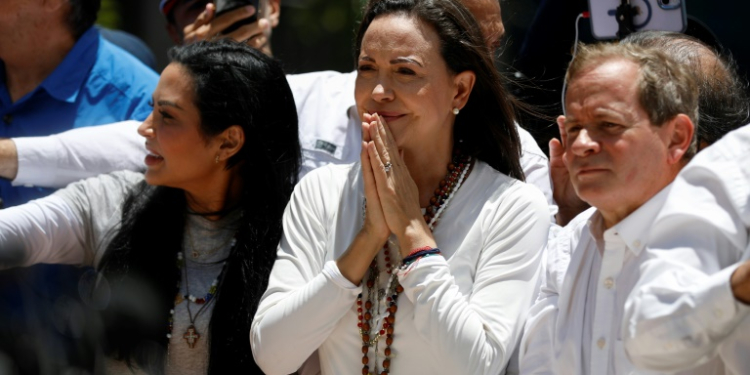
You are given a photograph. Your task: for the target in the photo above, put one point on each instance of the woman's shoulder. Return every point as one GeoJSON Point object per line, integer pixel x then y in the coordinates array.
{"type": "Point", "coordinates": [112, 187]}
{"type": "Point", "coordinates": [330, 177]}
{"type": "Point", "coordinates": [499, 185]}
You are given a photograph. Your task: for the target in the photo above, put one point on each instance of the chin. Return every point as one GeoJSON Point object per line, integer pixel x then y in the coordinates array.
{"type": "Point", "coordinates": [594, 193]}
{"type": "Point", "coordinates": [153, 178]}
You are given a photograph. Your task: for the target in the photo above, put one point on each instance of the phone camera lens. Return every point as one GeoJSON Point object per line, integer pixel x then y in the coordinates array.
{"type": "Point", "coordinates": [665, 2]}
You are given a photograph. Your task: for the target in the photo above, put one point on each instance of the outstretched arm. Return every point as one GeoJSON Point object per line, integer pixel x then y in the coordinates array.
{"type": "Point", "coordinates": [57, 160]}
{"type": "Point", "coordinates": [71, 226]}
{"type": "Point", "coordinates": [8, 159]}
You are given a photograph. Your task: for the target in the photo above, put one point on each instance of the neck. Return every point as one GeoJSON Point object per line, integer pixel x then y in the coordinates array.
{"type": "Point", "coordinates": [31, 56]}
{"type": "Point", "coordinates": [223, 193]}
{"type": "Point", "coordinates": [427, 169]}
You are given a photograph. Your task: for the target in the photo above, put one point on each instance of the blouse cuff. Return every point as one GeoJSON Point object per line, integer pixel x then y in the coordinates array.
{"type": "Point", "coordinates": [33, 168]}
{"type": "Point", "coordinates": [410, 275]}
{"type": "Point", "coordinates": [332, 272]}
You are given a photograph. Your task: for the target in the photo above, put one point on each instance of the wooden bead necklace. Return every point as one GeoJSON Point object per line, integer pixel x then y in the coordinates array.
{"type": "Point", "coordinates": [458, 169]}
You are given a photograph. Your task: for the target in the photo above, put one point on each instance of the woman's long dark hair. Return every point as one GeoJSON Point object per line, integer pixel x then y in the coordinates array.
{"type": "Point", "coordinates": [234, 85]}
{"type": "Point", "coordinates": [486, 125]}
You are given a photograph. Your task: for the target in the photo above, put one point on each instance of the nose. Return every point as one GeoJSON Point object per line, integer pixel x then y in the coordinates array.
{"type": "Point", "coordinates": [584, 144]}
{"type": "Point", "coordinates": [381, 93]}
{"type": "Point", "coordinates": [146, 130]}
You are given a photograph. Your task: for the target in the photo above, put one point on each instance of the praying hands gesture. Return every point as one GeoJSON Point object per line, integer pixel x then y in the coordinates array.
{"type": "Point", "coordinates": [392, 202]}
{"type": "Point", "coordinates": [396, 191]}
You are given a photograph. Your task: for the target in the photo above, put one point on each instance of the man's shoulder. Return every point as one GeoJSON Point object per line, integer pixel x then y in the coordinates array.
{"type": "Point", "coordinates": [121, 70]}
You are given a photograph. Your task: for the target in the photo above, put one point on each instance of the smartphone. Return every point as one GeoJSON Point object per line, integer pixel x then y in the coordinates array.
{"type": "Point", "coordinates": [223, 6]}
{"type": "Point", "coordinates": [664, 15]}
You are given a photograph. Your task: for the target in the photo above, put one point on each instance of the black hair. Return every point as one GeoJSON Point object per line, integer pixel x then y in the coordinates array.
{"type": "Point", "coordinates": [486, 126]}
{"type": "Point", "coordinates": [82, 15]}
{"type": "Point", "coordinates": [234, 85]}
{"type": "Point", "coordinates": [722, 100]}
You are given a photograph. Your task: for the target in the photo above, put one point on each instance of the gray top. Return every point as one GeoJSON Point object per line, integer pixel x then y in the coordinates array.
{"type": "Point", "coordinates": [95, 209]}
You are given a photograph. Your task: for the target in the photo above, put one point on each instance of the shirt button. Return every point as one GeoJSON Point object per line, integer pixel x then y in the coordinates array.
{"type": "Point", "coordinates": [7, 119]}
{"type": "Point", "coordinates": [601, 342]}
{"type": "Point", "coordinates": [718, 313]}
{"type": "Point", "coordinates": [609, 283]}
{"type": "Point", "coordinates": [636, 243]}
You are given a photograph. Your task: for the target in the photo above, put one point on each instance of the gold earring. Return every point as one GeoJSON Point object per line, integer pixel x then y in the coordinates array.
{"type": "Point", "coordinates": [456, 110]}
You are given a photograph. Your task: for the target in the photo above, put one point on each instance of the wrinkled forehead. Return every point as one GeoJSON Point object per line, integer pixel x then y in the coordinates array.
{"type": "Point", "coordinates": [606, 85]}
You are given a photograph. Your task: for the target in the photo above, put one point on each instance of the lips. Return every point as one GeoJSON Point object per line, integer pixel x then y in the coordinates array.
{"type": "Point", "coordinates": [589, 171]}
{"type": "Point", "coordinates": [152, 158]}
{"type": "Point", "coordinates": [390, 117]}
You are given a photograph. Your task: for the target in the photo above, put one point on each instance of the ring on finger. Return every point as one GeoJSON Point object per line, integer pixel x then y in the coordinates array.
{"type": "Point", "coordinates": [387, 167]}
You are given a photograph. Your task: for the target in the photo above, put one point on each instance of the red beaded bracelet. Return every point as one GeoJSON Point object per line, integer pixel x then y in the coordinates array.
{"type": "Point", "coordinates": [423, 248]}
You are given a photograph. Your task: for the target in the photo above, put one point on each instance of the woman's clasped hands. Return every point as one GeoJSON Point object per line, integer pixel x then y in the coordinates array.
{"type": "Point", "coordinates": [391, 193]}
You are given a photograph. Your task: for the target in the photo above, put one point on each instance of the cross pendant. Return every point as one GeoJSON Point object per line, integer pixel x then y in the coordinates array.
{"type": "Point", "coordinates": [191, 336]}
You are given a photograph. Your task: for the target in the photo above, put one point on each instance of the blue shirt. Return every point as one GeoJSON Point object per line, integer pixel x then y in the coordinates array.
{"type": "Point", "coordinates": [96, 83]}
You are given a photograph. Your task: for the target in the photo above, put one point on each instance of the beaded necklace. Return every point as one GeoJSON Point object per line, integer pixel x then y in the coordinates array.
{"type": "Point", "coordinates": [191, 334]}
{"type": "Point", "coordinates": [457, 172]}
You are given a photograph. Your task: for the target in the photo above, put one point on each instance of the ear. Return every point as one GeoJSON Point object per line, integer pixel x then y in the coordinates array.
{"type": "Point", "coordinates": [464, 83]}
{"type": "Point", "coordinates": [231, 141]}
{"type": "Point", "coordinates": [274, 11]}
{"type": "Point", "coordinates": [174, 34]}
{"type": "Point", "coordinates": [681, 138]}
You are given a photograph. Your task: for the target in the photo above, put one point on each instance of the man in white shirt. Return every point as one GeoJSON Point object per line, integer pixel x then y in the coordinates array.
{"type": "Point", "coordinates": [627, 132]}
{"type": "Point", "coordinates": [329, 126]}
{"type": "Point", "coordinates": [722, 100]}
{"type": "Point", "coordinates": [691, 305]}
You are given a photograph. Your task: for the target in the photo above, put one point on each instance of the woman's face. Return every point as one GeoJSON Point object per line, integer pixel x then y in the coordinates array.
{"type": "Point", "coordinates": [402, 77]}
{"type": "Point", "coordinates": [178, 155]}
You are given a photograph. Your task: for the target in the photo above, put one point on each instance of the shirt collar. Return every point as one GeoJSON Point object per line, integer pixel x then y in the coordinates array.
{"type": "Point", "coordinates": [66, 80]}
{"type": "Point", "coordinates": [633, 230]}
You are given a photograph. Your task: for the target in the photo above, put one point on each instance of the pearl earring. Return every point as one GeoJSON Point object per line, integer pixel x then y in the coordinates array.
{"type": "Point", "coordinates": [455, 111]}
{"type": "Point", "coordinates": [217, 159]}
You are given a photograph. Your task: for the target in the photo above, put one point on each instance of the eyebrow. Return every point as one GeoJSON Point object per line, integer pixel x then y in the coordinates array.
{"type": "Point", "coordinates": [398, 60]}
{"type": "Point", "coordinates": [169, 104]}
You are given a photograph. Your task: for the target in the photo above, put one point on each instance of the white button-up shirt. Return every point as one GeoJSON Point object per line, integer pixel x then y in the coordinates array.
{"type": "Point", "coordinates": [684, 312]}
{"type": "Point", "coordinates": [575, 325]}
{"type": "Point", "coordinates": [329, 128]}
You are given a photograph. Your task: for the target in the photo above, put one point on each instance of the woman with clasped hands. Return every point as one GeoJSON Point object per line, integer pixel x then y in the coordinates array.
{"type": "Point", "coordinates": [423, 257]}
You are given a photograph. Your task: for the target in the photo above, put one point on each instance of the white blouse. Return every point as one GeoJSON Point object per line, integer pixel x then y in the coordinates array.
{"type": "Point", "coordinates": [459, 314]}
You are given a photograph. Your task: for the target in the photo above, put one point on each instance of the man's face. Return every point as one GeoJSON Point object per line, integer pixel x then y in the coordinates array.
{"type": "Point", "coordinates": [487, 14]}
{"type": "Point", "coordinates": [616, 158]}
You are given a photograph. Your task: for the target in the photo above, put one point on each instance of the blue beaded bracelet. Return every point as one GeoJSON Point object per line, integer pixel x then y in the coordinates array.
{"type": "Point", "coordinates": [419, 254]}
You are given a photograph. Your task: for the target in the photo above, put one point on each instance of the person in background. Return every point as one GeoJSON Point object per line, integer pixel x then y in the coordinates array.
{"type": "Point", "coordinates": [431, 243]}
{"type": "Point", "coordinates": [183, 252]}
{"type": "Point", "coordinates": [627, 132]}
{"type": "Point", "coordinates": [722, 99]}
{"type": "Point", "coordinates": [56, 74]}
{"type": "Point", "coordinates": [329, 123]}
{"type": "Point", "coordinates": [59, 74]}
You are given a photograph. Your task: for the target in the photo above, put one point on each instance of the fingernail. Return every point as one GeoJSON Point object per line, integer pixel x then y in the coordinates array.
{"type": "Point", "coordinates": [250, 9]}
